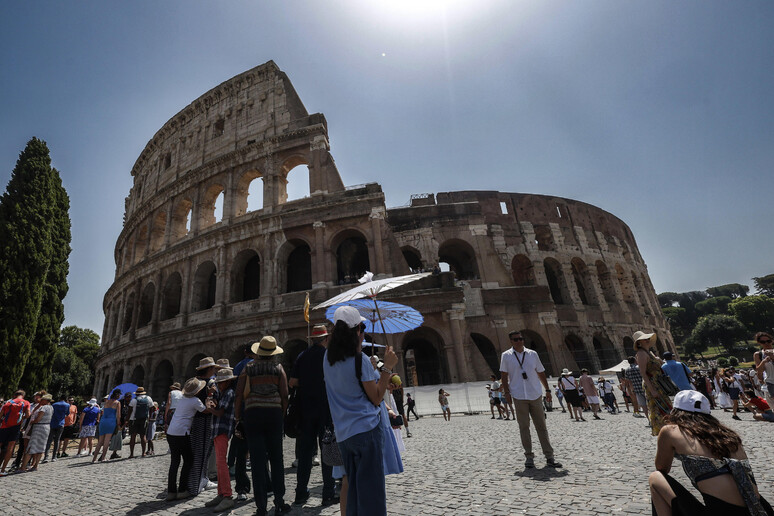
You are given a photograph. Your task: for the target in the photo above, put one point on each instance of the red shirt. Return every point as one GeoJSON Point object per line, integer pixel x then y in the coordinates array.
{"type": "Point", "coordinates": [12, 412]}
{"type": "Point", "coordinates": [760, 404]}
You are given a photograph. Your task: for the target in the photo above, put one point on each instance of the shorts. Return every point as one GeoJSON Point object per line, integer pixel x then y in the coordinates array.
{"type": "Point", "coordinates": [69, 432]}
{"type": "Point", "coordinates": [495, 401]}
{"type": "Point", "coordinates": [88, 431]}
{"type": "Point", "coordinates": [594, 400]}
{"type": "Point", "coordinates": [138, 426]}
{"type": "Point", "coordinates": [10, 434]}
{"type": "Point", "coordinates": [641, 400]}
{"type": "Point", "coordinates": [573, 398]}
{"type": "Point", "coordinates": [445, 408]}
{"type": "Point", "coordinates": [734, 393]}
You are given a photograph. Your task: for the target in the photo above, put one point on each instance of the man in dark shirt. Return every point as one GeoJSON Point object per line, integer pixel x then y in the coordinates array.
{"type": "Point", "coordinates": [307, 376]}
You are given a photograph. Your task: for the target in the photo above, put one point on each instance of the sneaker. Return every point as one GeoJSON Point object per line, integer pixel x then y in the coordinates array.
{"type": "Point", "coordinates": [3, 473]}
{"type": "Point", "coordinates": [183, 494]}
{"type": "Point", "coordinates": [210, 485]}
{"type": "Point", "coordinates": [295, 463]}
{"type": "Point", "coordinates": [330, 500]}
{"type": "Point", "coordinates": [215, 501]}
{"type": "Point", "coordinates": [529, 463]}
{"type": "Point", "coordinates": [282, 508]}
{"type": "Point", "coordinates": [171, 497]}
{"type": "Point", "coordinates": [316, 461]}
{"type": "Point", "coordinates": [408, 434]}
{"type": "Point", "coordinates": [224, 505]}
{"type": "Point", "coordinates": [53, 459]}
{"type": "Point", "coordinates": [64, 454]}
{"type": "Point", "coordinates": [301, 498]}
{"type": "Point", "coordinates": [45, 459]}
{"type": "Point", "coordinates": [241, 497]}
{"type": "Point", "coordinates": [732, 417]}
{"type": "Point", "coordinates": [493, 417]}
{"type": "Point", "coordinates": [551, 463]}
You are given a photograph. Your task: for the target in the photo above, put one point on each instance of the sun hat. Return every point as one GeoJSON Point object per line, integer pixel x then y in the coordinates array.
{"type": "Point", "coordinates": [349, 315]}
{"type": "Point", "coordinates": [192, 387]}
{"type": "Point", "coordinates": [140, 390]}
{"type": "Point", "coordinates": [641, 335]}
{"type": "Point", "coordinates": [691, 401]}
{"type": "Point", "coordinates": [266, 347]}
{"type": "Point", "coordinates": [222, 363]}
{"type": "Point", "coordinates": [175, 386]}
{"type": "Point", "coordinates": [206, 362]}
{"type": "Point", "coordinates": [93, 401]}
{"type": "Point", "coordinates": [319, 331]}
{"type": "Point", "coordinates": [47, 397]}
{"type": "Point", "coordinates": [565, 371]}
{"type": "Point", "coordinates": [224, 375]}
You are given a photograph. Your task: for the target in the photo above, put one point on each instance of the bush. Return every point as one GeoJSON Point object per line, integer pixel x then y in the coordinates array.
{"type": "Point", "coordinates": [733, 361]}
{"type": "Point", "coordinates": [722, 362]}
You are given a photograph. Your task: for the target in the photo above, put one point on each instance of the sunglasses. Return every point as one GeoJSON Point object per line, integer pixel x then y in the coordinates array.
{"type": "Point", "coordinates": [767, 341]}
{"type": "Point", "coordinates": [517, 339]}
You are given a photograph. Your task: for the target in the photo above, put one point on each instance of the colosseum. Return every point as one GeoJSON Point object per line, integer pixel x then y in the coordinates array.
{"type": "Point", "coordinates": [213, 254]}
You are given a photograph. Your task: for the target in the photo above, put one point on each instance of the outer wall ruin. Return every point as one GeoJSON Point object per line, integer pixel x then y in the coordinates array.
{"type": "Point", "coordinates": [192, 280]}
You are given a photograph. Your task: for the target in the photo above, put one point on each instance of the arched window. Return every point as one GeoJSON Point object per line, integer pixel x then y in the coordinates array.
{"type": "Point", "coordinates": [299, 268]}
{"type": "Point", "coordinates": [523, 271]}
{"type": "Point", "coordinates": [579, 354]}
{"type": "Point", "coordinates": [211, 209]}
{"type": "Point", "coordinates": [534, 341]}
{"type": "Point", "coordinates": [141, 243]}
{"type": "Point", "coordinates": [605, 351]}
{"type": "Point", "coordinates": [460, 257]}
{"type": "Point", "coordinates": [146, 305]}
{"type": "Point", "coordinates": [157, 231]}
{"type": "Point", "coordinates": [116, 325]}
{"type": "Point", "coordinates": [204, 285]}
{"type": "Point", "coordinates": [297, 183]}
{"type": "Point", "coordinates": [544, 238]}
{"type": "Point", "coordinates": [170, 301]}
{"type": "Point", "coordinates": [555, 280]}
{"type": "Point", "coordinates": [413, 258]}
{"type": "Point", "coordinates": [246, 276]}
{"type": "Point", "coordinates": [487, 350]}
{"type": "Point", "coordinates": [162, 379]}
{"type": "Point", "coordinates": [138, 376]}
{"type": "Point", "coordinates": [580, 274]}
{"type": "Point", "coordinates": [640, 291]}
{"type": "Point", "coordinates": [181, 219]}
{"type": "Point", "coordinates": [190, 370]}
{"type": "Point", "coordinates": [352, 259]}
{"type": "Point", "coordinates": [606, 282]}
{"type": "Point", "coordinates": [423, 357]}
{"type": "Point", "coordinates": [128, 312]}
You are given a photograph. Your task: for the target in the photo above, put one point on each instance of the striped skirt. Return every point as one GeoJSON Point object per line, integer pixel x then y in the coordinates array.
{"type": "Point", "coordinates": [201, 446]}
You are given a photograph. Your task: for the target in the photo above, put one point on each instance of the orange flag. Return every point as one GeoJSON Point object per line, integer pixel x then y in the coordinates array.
{"type": "Point", "coordinates": [306, 308]}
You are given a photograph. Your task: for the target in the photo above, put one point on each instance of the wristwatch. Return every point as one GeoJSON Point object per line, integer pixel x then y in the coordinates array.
{"type": "Point", "coordinates": [383, 369]}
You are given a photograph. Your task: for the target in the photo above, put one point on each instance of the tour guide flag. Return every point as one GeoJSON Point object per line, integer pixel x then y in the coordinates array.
{"type": "Point", "coordinates": [306, 308]}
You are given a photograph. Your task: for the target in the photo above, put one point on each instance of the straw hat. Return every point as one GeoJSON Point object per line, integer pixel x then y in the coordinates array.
{"type": "Point", "coordinates": [224, 375]}
{"type": "Point", "coordinates": [565, 371]}
{"type": "Point", "coordinates": [193, 386]}
{"type": "Point", "coordinates": [266, 347]}
{"type": "Point", "coordinates": [140, 390]}
{"type": "Point", "coordinates": [641, 335]}
{"type": "Point", "coordinates": [47, 397]}
{"type": "Point", "coordinates": [222, 363]}
{"type": "Point", "coordinates": [175, 386]}
{"type": "Point", "coordinates": [319, 331]}
{"type": "Point", "coordinates": [206, 362]}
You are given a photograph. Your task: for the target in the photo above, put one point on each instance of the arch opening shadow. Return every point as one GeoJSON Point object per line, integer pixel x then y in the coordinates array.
{"type": "Point", "coordinates": [534, 341]}
{"type": "Point", "coordinates": [579, 354]}
{"type": "Point", "coordinates": [488, 351]}
{"type": "Point", "coordinates": [163, 377]}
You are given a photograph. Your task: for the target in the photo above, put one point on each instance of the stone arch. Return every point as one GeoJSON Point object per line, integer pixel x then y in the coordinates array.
{"type": "Point", "coordinates": [352, 259]}
{"type": "Point", "coordinates": [170, 298]}
{"type": "Point", "coordinates": [246, 276]}
{"type": "Point", "coordinates": [119, 378]}
{"type": "Point", "coordinates": [461, 258]}
{"type": "Point", "coordinates": [413, 258]}
{"type": "Point", "coordinates": [640, 291]}
{"type": "Point", "coordinates": [523, 271]}
{"type": "Point", "coordinates": [299, 186]}
{"type": "Point", "coordinates": [116, 324]}
{"type": "Point", "coordinates": [579, 353]}
{"type": "Point", "coordinates": [544, 238]}
{"type": "Point", "coordinates": [533, 340]}
{"type": "Point", "coordinates": [605, 350]}
{"type": "Point", "coordinates": [128, 312]}
{"type": "Point", "coordinates": [625, 284]}
{"type": "Point", "coordinates": [158, 227]}
{"type": "Point", "coordinates": [556, 282]}
{"type": "Point", "coordinates": [292, 349]}
{"type": "Point", "coordinates": [140, 243]}
{"type": "Point", "coordinates": [163, 377]}
{"type": "Point", "coordinates": [138, 376]}
{"type": "Point", "coordinates": [205, 283]}
{"type": "Point", "coordinates": [606, 282]}
{"type": "Point", "coordinates": [429, 360]}
{"type": "Point", "coordinates": [207, 216]}
{"type": "Point", "coordinates": [193, 363]}
{"type": "Point", "coordinates": [249, 193]}
{"type": "Point", "coordinates": [298, 266]}
{"type": "Point", "coordinates": [628, 345]}
{"type": "Point", "coordinates": [580, 274]}
{"type": "Point", "coordinates": [146, 305]}
{"type": "Point", "coordinates": [105, 386]}
{"type": "Point", "coordinates": [488, 351]}
{"type": "Point", "coordinates": [181, 219]}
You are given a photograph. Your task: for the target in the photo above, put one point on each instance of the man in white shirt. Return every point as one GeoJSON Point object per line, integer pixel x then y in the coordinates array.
{"type": "Point", "coordinates": [522, 376]}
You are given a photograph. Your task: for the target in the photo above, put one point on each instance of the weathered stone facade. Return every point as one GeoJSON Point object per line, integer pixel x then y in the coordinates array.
{"type": "Point", "coordinates": [188, 285]}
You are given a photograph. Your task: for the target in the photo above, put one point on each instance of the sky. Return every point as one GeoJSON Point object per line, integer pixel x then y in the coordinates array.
{"type": "Point", "coordinates": [658, 112]}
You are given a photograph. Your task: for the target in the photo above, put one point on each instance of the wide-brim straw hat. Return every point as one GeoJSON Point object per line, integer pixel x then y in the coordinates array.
{"type": "Point", "coordinates": [93, 401]}
{"type": "Point", "coordinates": [319, 331]}
{"type": "Point", "coordinates": [206, 362]}
{"type": "Point", "coordinates": [47, 397]}
{"type": "Point", "coordinates": [565, 371]}
{"type": "Point", "coordinates": [175, 386]}
{"type": "Point", "coordinates": [222, 363]}
{"type": "Point", "coordinates": [140, 390]}
{"type": "Point", "coordinates": [224, 375]}
{"type": "Point", "coordinates": [192, 387]}
{"type": "Point", "coordinates": [641, 335]}
{"type": "Point", "coordinates": [266, 347]}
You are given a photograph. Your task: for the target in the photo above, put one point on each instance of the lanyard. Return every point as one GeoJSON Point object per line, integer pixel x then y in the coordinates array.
{"type": "Point", "coordinates": [523, 356]}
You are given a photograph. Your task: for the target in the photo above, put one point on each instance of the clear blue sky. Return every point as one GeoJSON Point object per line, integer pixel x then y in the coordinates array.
{"type": "Point", "coordinates": [659, 112]}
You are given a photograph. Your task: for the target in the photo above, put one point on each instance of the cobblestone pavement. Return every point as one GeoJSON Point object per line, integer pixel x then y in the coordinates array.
{"type": "Point", "coordinates": [470, 465]}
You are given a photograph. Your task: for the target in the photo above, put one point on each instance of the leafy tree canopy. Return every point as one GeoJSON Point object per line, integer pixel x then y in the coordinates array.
{"type": "Point", "coordinates": [713, 305]}
{"type": "Point", "coordinates": [755, 312]}
{"type": "Point", "coordinates": [765, 285]}
{"type": "Point", "coordinates": [732, 290]}
{"type": "Point", "coordinates": [718, 330]}
{"type": "Point", "coordinates": [83, 341]}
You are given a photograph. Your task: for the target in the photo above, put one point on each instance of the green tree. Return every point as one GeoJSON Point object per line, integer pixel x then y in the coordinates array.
{"type": "Point", "coordinates": [668, 299]}
{"type": "Point", "coordinates": [755, 312]}
{"type": "Point", "coordinates": [765, 285]}
{"type": "Point", "coordinates": [38, 370]}
{"type": "Point", "coordinates": [675, 316]}
{"type": "Point", "coordinates": [722, 362]}
{"type": "Point", "coordinates": [83, 341]}
{"type": "Point", "coordinates": [713, 305]}
{"type": "Point", "coordinates": [718, 330]}
{"type": "Point", "coordinates": [73, 363]}
{"type": "Point", "coordinates": [733, 361]}
{"type": "Point", "coordinates": [732, 290]}
{"type": "Point", "coordinates": [26, 211]}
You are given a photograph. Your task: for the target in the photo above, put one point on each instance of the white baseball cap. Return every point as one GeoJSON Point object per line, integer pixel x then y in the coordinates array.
{"type": "Point", "coordinates": [349, 315]}
{"type": "Point", "coordinates": [691, 401]}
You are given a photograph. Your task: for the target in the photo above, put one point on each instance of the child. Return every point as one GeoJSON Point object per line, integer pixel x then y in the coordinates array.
{"type": "Point", "coordinates": [222, 430]}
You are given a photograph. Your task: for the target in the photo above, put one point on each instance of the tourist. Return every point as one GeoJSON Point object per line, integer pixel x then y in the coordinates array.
{"type": "Point", "coordinates": [411, 406]}
{"type": "Point", "coordinates": [761, 410]}
{"type": "Point", "coordinates": [764, 364]}
{"type": "Point", "coordinates": [179, 440]}
{"type": "Point", "coordinates": [734, 384]}
{"type": "Point", "coordinates": [354, 397]}
{"type": "Point", "coordinates": [607, 392]}
{"type": "Point", "coordinates": [222, 408]}
{"type": "Point", "coordinates": [109, 424]}
{"type": "Point", "coordinates": [61, 409]}
{"type": "Point", "coordinates": [237, 452]}
{"type": "Point", "coordinates": [69, 427]}
{"type": "Point", "coordinates": [625, 386]}
{"type": "Point", "coordinates": [175, 394]}
{"type": "Point", "coordinates": [590, 390]}
{"type": "Point", "coordinates": [659, 404]}
{"type": "Point", "coordinates": [307, 377]}
{"type": "Point", "coordinates": [677, 371]}
{"type": "Point", "coordinates": [26, 428]}
{"type": "Point", "coordinates": [88, 423]}
{"type": "Point", "coordinates": [494, 397]}
{"type": "Point", "coordinates": [397, 395]}
{"type": "Point", "coordinates": [12, 413]}
{"type": "Point", "coordinates": [201, 433]}
{"type": "Point", "coordinates": [266, 387]}
{"type": "Point", "coordinates": [569, 387]}
{"type": "Point", "coordinates": [138, 420]}
{"type": "Point", "coordinates": [634, 376]}
{"type": "Point", "coordinates": [443, 399]}
{"type": "Point", "coordinates": [522, 376]}
{"type": "Point", "coordinates": [722, 398]}
{"type": "Point", "coordinates": [714, 460]}
{"type": "Point", "coordinates": [560, 397]}
{"type": "Point", "coordinates": [40, 423]}
{"type": "Point", "coordinates": [150, 434]}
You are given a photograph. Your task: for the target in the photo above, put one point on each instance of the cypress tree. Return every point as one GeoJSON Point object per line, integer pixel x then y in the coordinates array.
{"type": "Point", "coordinates": [37, 372]}
{"type": "Point", "coordinates": [26, 212]}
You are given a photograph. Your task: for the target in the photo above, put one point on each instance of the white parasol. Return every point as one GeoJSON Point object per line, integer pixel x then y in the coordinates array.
{"type": "Point", "coordinates": [369, 288]}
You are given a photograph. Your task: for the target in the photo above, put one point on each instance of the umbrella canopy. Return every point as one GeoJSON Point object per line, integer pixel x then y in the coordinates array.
{"type": "Point", "coordinates": [124, 388]}
{"type": "Point", "coordinates": [395, 318]}
{"type": "Point", "coordinates": [372, 288]}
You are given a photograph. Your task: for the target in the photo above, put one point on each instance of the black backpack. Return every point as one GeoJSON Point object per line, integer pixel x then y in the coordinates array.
{"type": "Point", "coordinates": [142, 408]}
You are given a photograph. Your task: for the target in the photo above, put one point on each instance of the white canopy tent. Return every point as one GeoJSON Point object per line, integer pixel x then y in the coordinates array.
{"type": "Point", "coordinates": [616, 368]}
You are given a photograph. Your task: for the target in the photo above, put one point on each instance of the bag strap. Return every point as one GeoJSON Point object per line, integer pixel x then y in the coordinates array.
{"type": "Point", "coordinates": [359, 371]}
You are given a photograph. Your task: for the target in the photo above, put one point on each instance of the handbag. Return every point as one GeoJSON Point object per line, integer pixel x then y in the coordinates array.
{"type": "Point", "coordinates": [116, 441]}
{"type": "Point", "coordinates": [292, 419]}
{"type": "Point", "coordinates": [329, 448]}
{"type": "Point", "coordinates": [666, 385]}
{"type": "Point", "coordinates": [397, 421]}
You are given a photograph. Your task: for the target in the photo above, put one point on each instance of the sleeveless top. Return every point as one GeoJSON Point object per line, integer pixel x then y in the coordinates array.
{"type": "Point", "coordinates": [698, 468]}
{"type": "Point", "coordinates": [262, 385]}
{"type": "Point", "coordinates": [768, 369]}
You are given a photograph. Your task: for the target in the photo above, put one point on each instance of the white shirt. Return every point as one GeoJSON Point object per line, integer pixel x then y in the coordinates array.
{"type": "Point", "coordinates": [174, 397]}
{"type": "Point", "coordinates": [184, 414]}
{"type": "Point", "coordinates": [521, 389]}
{"type": "Point", "coordinates": [605, 387]}
{"type": "Point", "coordinates": [133, 404]}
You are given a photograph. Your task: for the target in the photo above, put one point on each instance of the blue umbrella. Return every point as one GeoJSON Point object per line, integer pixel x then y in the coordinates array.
{"type": "Point", "coordinates": [384, 317]}
{"type": "Point", "coordinates": [124, 388]}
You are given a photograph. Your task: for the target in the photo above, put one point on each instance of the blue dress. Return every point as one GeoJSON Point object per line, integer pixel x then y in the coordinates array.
{"type": "Point", "coordinates": [107, 425]}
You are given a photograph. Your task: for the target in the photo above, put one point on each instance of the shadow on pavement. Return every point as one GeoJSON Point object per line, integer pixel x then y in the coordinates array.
{"type": "Point", "coordinates": [542, 474]}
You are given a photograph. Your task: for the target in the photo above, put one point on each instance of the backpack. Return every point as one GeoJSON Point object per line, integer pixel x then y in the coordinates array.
{"type": "Point", "coordinates": [142, 408]}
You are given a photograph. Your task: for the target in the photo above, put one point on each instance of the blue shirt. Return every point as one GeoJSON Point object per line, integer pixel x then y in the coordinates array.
{"type": "Point", "coordinates": [676, 371]}
{"type": "Point", "coordinates": [224, 425]}
{"type": "Point", "coordinates": [351, 410]}
{"type": "Point", "coordinates": [241, 365]}
{"type": "Point", "coordinates": [91, 412]}
{"type": "Point", "coordinates": [61, 411]}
